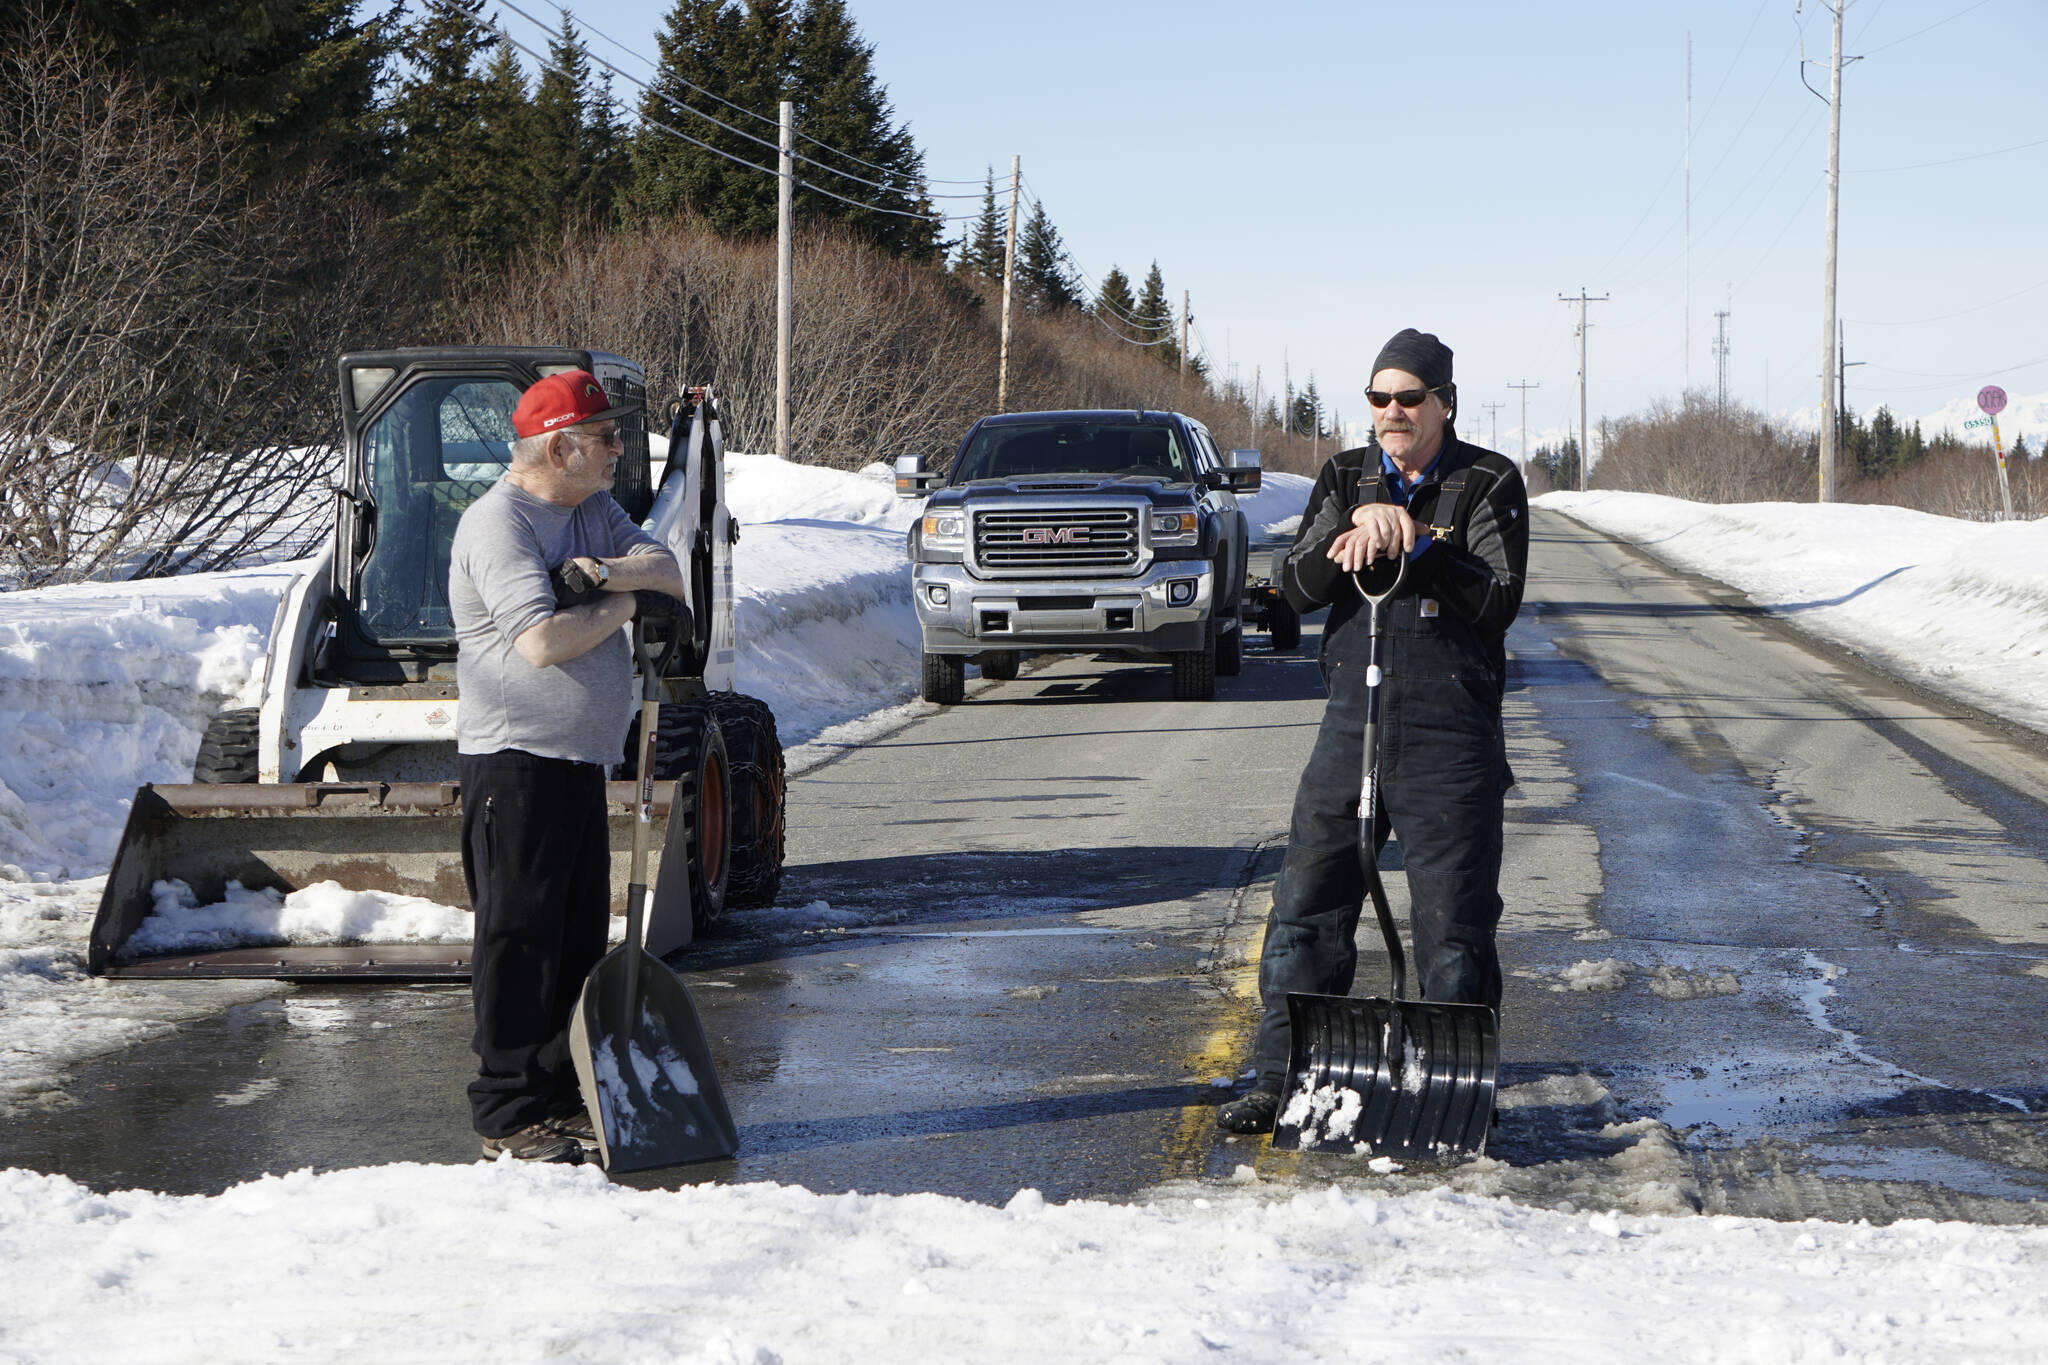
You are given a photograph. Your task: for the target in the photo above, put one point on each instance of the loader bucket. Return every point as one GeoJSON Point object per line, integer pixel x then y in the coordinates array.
{"type": "Point", "coordinates": [1399, 1078]}
{"type": "Point", "coordinates": [398, 837]}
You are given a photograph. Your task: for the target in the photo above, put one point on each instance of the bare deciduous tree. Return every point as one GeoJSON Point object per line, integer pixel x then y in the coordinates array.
{"type": "Point", "coordinates": [1704, 452]}
{"type": "Point", "coordinates": [165, 343]}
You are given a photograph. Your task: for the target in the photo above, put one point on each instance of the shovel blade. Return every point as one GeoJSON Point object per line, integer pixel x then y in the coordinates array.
{"type": "Point", "coordinates": [652, 1092]}
{"type": "Point", "coordinates": [1409, 1079]}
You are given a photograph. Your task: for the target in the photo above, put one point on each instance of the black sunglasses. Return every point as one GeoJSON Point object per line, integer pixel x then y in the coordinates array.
{"type": "Point", "coordinates": [1407, 398]}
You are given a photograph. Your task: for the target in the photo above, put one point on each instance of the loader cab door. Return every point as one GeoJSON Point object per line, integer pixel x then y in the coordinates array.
{"type": "Point", "coordinates": [426, 458]}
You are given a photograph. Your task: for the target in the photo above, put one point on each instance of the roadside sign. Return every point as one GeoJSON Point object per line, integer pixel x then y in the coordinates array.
{"type": "Point", "coordinates": [1991, 398]}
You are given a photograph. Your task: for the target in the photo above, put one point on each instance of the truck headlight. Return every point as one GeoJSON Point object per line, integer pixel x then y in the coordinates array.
{"type": "Point", "coordinates": [947, 531]}
{"type": "Point", "coordinates": [1173, 528]}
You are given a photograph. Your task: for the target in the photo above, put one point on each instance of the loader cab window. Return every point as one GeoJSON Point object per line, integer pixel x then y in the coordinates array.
{"type": "Point", "coordinates": [431, 455]}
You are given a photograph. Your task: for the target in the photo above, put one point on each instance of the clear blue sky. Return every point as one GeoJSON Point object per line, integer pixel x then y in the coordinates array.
{"type": "Point", "coordinates": [1318, 175]}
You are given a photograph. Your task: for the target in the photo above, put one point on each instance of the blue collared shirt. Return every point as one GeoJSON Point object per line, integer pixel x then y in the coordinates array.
{"type": "Point", "coordinates": [1398, 486]}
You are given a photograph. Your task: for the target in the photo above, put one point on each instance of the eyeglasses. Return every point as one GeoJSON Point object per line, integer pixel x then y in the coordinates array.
{"type": "Point", "coordinates": [1407, 398]}
{"type": "Point", "coordinates": [610, 436]}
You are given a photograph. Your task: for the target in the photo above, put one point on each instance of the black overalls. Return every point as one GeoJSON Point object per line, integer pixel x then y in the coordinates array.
{"type": "Point", "coordinates": [1442, 759]}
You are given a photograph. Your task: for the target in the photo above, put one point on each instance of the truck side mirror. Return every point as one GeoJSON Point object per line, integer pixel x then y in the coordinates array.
{"type": "Point", "coordinates": [913, 480]}
{"type": "Point", "coordinates": [1244, 471]}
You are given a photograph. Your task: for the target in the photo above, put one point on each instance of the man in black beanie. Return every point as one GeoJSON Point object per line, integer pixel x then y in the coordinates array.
{"type": "Point", "coordinates": [1461, 516]}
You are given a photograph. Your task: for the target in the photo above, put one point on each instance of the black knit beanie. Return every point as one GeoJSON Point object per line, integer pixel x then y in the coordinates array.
{"type": "Point", "coordinates": [1420, 354]}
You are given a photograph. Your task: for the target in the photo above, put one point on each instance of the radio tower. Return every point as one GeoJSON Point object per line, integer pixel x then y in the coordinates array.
{"type": "Point", "coordinates": [1721, 357]}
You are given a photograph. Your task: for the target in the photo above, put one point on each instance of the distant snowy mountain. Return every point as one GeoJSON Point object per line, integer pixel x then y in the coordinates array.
{"type": "Point", "coordinates": [2023, 416]}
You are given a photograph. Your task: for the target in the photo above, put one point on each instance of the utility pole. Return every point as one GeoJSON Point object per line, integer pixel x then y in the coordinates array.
{"type": "Point", "coordinates": [1255, 405]}
{"type": "Point", "coordinates": [1721, 358]}
{"type": "Point", "coordinates": [1829, 419]}
{"type": "Point", "coordinates": [1688, 221]}
{"type": "Point", "coordinates": [1493, 412]}
{"type": "Point", "coordinates": [1183, 336]}
{"type": "Point", "coordinates": [1525, 386]}
{"type": "Point", "coordinates": [785, 273]}
{"type": "Point", "coordinates": [1009, 283]}
{"type": "Point", "coordinates": [1585, 448]}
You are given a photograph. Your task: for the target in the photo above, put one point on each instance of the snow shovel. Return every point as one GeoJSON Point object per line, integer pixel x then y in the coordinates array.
{"type": "Point", "coordinates": [1393, 1077]}
{"type": "Point", "coordinates": [641, 1059]}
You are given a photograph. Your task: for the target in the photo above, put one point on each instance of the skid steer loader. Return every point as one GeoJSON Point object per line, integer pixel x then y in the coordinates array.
{"type": "Point", "coordinates": [346, 771]}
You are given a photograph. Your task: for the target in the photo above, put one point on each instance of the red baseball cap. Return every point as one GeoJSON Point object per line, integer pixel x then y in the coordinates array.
{"type": "Point", "coordinates": [564, 400]}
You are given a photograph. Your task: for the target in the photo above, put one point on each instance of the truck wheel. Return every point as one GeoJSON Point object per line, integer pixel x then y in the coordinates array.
{"type": "Point", "coordinates": [1000, 665]}
{"type": "Point", "coordinates": [689, 750]}
{"type": "Point", "coordinates": [759, 799]}
{"type": "Point", "coordinates": [227, 752]}
{"type": "Point", "coordinates": [1286, 624]}
{"type": "Point", "coordinates": [1194, 673]}
{"type": "Point", "coordinates": [1230, 651]}
{"type": "Point", "coordinates": [945, 679]}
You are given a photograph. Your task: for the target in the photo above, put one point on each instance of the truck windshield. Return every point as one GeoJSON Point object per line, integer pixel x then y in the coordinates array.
{"type": "Point", "coordinates": [430, 456]}
{"type": "Point", "coordinates": [1103, 449]}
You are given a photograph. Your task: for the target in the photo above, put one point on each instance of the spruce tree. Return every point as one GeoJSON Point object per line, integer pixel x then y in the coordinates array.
{"type": "Point", "coordinates": [671, 176]}
{"type": "Point", "coordinates": [1114, 303]}
{"type": "Point", "coordinates": [840, 103]}
{"type": "Point", "coordinates": [1155, 318]}
{"type": "Point", "coordinates": [558, 147]}
{"type": "Point", "coordinates": [1043, 273]}
{"type": "Point", "coordinates": [755, 56]}
{"type": "Point", "coordinates": [608, 164]}
{"type": "Point", "coordinates": [451, 121]}
{"type": "Point", "coordinates": [985, 245]}
{"type": "Point", "coordinates": [297, 79]}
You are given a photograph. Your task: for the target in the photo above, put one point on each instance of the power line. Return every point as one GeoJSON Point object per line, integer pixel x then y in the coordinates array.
{"type": "Point", "coordinates": [549, 65]}
{"type": "Point", "coordinates": [1960, 312]}
{"type": "Point", "coordinates": [1929, 29]}
{"type": "Point", "coordinates": [1974, 156]}
{"type": "Point", "coordinates": [736, 108]}
{"type": "Point", "coordinates": [674, 103]}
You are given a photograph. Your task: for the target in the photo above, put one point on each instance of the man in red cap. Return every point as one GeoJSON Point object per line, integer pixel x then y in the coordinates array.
{"type": "Point", "coordinates": [547, 696]}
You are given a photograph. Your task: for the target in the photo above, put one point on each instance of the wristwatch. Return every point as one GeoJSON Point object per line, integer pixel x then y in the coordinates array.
{"type": "Point", "coordinates": [604, 572]}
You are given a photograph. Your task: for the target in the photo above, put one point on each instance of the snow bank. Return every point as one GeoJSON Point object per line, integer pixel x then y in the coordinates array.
{"type": "Point", "coordinates": [105, 687]}
{"type": "Point", "coordinates": [495, 1262]}
{"type": "Point", "coordinates": [1960, 607]}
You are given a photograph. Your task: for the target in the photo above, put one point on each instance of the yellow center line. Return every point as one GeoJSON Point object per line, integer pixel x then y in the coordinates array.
{"type": "Point", "coordinates": [1228, 1046]}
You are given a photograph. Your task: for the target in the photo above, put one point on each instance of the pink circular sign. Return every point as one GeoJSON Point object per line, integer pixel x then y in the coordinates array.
{"type": "Point", "coordinates": [1991, 398]}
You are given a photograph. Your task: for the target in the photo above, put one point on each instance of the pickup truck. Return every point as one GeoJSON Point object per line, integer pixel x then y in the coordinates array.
{"type": "Point", "coordinates": [1081, 533]}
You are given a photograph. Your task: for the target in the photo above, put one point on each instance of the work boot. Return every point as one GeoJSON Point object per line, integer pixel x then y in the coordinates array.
{"type": "Point", "coordinates": [535, 1142]}
{"type": "Point", "coordinates": [1251, 1112]}
{"type": "Point", "coordinates": [573, 1121]}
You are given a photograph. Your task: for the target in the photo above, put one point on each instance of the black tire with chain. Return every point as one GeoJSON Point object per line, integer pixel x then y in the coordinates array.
{"type": "Point", "coordinates": [689, 750]}
{"type": "Point", "coordinates": [759, 799]}
{"type": "Point", "coordinates": [228, 752]}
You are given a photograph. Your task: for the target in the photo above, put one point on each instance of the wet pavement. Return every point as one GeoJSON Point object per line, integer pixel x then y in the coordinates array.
{"type": "Point", "coordinates": [1777, 935]}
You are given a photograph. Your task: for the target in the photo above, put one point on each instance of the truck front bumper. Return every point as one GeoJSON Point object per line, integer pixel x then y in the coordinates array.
{"type": "Point", "coordinates": [1162, 611]}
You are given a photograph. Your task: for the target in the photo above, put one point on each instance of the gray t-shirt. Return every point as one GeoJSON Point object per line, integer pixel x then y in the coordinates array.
{"type": "Point", "coordinates": [498, 589]}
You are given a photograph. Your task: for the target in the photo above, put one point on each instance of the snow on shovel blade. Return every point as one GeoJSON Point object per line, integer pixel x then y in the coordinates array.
{"type": "Point", "coordinates": [1399, 1078]}
{"type": "Point", "coordinates": [653, 1093]}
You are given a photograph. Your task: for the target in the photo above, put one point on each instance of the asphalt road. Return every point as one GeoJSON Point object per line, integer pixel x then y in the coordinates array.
{"type": "Point", "coordinates": [1777, 933]}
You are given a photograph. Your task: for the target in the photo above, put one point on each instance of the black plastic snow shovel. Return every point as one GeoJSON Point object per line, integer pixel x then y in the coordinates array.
{"type": "Point", "coordinates": [641, 1059]}
{"type": "Point", "coordinates": [1397, 1078]}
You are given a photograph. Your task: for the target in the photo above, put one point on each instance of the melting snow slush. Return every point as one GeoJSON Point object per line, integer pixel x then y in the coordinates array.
{"type": "Point", "coordinates": [325, 912]}
{"type": "Point", "coordinates": [620, 1099]}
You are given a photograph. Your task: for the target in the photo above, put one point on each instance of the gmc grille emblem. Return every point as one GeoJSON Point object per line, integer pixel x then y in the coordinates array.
{"type": "Point", "coordinates": [1054, 535]}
